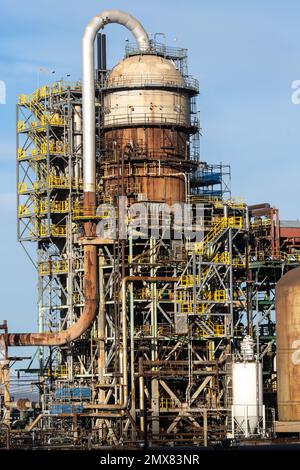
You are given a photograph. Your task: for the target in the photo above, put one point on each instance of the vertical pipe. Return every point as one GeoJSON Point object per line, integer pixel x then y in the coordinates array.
{"type": "Point", "coordinates": [142, 394]}
{"type": "Point", "coordinates": [101, 331]}
{"type": "Point", "coordinates": [277, 234]}
{"type": "Point", "coordinates": [77, 150]}
{"type": "Point", "coordinates": [4, 368]}
{"type": "Point", "coordinates": [132, 350]}
{"type": "Point", "coordinates": [103, 52]}
{"type": "Point", "coordinates": [205, 428]}
{"type": "Point", "coordinates": [154, 347]}
{"type": "Point", "coordinates": [231, 284]}
{"type": "Point", "coordinates": [99, 52]}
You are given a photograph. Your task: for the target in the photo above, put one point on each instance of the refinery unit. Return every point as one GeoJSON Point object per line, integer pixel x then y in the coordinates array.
{"type": "Point", "coordinates": [156, 288]}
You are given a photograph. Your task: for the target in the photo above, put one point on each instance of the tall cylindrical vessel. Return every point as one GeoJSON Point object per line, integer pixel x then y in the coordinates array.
{"type": "Point", "coordinates": [288, 345]}
{"type": "Point", "coordinates": [146, 127]}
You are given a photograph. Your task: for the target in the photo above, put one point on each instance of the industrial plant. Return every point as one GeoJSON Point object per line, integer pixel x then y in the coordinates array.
{"type": "Point", "coordinates": [168, 310]}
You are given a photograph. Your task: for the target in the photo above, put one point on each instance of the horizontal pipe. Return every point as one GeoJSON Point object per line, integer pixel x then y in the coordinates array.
{"type": "Point", "coordinates": [24, 404]}
{"type": "Point", "coordinates": [264, 205]}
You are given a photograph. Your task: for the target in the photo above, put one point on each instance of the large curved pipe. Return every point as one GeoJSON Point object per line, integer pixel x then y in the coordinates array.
{"type": "Point", "coordinates": [62, 337]}
{"type": "Point", "coordinates": [88, 83]}
{"type": "Point", "coordinates": [89, 181]}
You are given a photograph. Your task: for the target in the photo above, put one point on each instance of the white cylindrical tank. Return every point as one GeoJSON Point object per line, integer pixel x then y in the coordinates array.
{"type": "Point", "coordinates": [247, 397]}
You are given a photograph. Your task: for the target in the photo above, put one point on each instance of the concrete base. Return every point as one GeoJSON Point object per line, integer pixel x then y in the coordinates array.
{"type": "Point", "coordinates": [287, 426]}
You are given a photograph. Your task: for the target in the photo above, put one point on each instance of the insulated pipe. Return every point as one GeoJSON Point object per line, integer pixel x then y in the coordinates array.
{"type": "Point", "coordinates": [24, 404]}
{"type": "Point", "coordinates": [89, 181]}
{"type": "Point", "coordinates": [62, 337]}
{"type": "Point", "coordinates": [88, 83]}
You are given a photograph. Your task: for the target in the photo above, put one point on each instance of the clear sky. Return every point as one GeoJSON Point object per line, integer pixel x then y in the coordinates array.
{"type": "Point", "coordinates": [246, 55]}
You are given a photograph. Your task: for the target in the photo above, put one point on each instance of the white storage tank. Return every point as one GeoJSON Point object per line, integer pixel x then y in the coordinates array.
{"type": "Point", "coordinates": [247, 399]}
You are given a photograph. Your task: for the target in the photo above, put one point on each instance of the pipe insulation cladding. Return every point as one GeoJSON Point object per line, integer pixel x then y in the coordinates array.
{"type": "Point", "coordinates": [88, 83]}
{"type": "Point", "coordinates": [88, 315]}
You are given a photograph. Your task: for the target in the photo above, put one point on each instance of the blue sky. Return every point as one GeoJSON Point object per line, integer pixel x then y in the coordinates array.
{"type": "Point", "coordinates": [245, 54]}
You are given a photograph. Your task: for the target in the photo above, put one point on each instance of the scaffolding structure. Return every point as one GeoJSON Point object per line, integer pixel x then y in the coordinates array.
{"type": "Point", "coordinates": [156, 366]}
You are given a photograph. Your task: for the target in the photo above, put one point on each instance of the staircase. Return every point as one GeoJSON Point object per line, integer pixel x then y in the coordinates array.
{"type": "Point", "coordinates": [211, 237]}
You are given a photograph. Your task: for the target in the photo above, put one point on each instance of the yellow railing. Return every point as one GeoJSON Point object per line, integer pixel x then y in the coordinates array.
{"type": "Point", "coordinates": [54, 206]}
{"type": "Point", "coordinates": [54, 120]}
{"type": "Point", "coordinates": [213, 329]}
{"type": "Point", "coordinates": [238, 262]}
{"type": "Point", "coordinates": [63, 182]}
{"type": "Point", "coordinates": [80, 212]}
{"type": "Point", "coordinates": [223, 258]}
{"type": "Point", "coordinates": [56, 147]}
{"type": "Point", "coordinates": [215, 295]}
{"type": "Point", "coordinates": [187, 280]}
{"type": "Point", "coordinates": [27, 211]}
{"type": "Point", "coordinates": [57, 267]}
{"type": "Point", "coordinates": [21, 126]}
{"type": "Point", "coordinates": [220, 224]}
{"type": "Point", "coordinates": [21, 154]}
{"type": "Point", "coordinates": [47, 91]}
{"type": "Point", "coordinates": [76, 298]}
{"type": "Point", "coordinates": [53, 231]}
{"type": "Point", "coordinates": [290, 256]}
{"type": "Point", "coordinates": [234, 203]}
{"type": "Point", "coordinates": [60, 371]}
{"type": "Point", "coordinates": [22, 187]}
{"type": "Point", "coordinates": [143, 294]}
{"type": "Point", "coordinates": [166, 403]}
{"type": "Point", "coordinates": [261, 223]}
{"type": "Point", "coordinates": [188, 308]}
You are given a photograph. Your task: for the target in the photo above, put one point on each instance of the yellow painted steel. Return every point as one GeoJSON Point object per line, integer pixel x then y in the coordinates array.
{"type": "Point", "coordinates": [220, 224]}
{"type": "Point", "coordinates": [216, 295]}
{"type": "Point", "coordinates": [54, 206]}
{"type": "Point", "coordinates": [261, 223]}
{"type": "Point", "coordinates": [213, 329]}
{"type": "Point", "coordinates": [58, 372]}
{"type": "Point", "coordinates": [57, 267]}
{"type": "Point", "coordinates": [21, 126]}
{"type": "Point", "coordinates": [46, 91]}
{"type": "Point", "coordinates": [53, 230]}
{"type": "Point", "coordinates": [166, 403]}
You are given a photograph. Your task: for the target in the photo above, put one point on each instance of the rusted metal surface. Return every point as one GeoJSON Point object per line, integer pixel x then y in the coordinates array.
{"type": "Point", "coordinates": [168, 186]}
{"type": "Point", "coordinates": [288, 345]}
{"type": "Point", "coordinates": [287, 426]}
{"type": "Point", "coordinates": [155, 160]}
{"type": "Point", "coordinates": [24, 404]}
{"type": "Point", "coordinates": [146, 127]}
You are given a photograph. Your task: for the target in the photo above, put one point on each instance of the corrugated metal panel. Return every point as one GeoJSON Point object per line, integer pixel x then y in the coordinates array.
{"type": "Point", "coordinates": [65, 409]}
{"type": "Point", "coordinates": [290, 223]}
{"type": "Point", "coordinates": [83, 393]}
